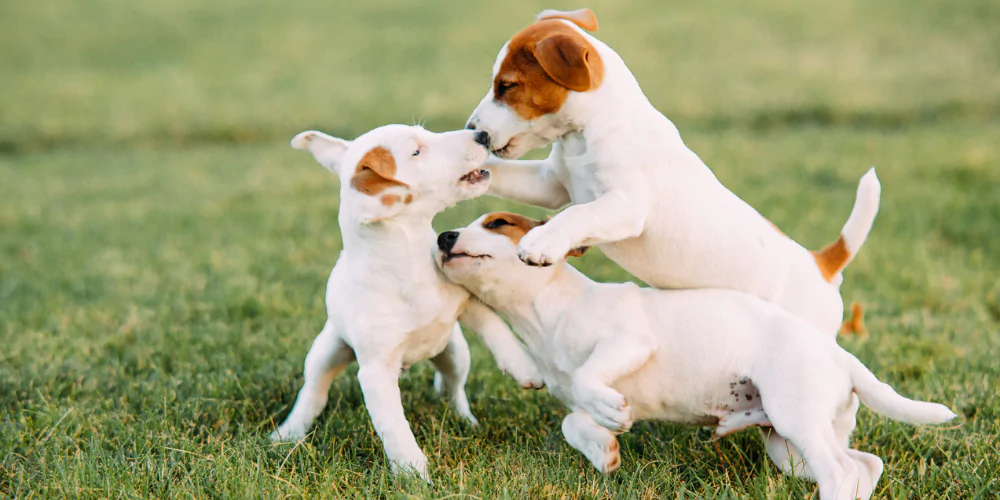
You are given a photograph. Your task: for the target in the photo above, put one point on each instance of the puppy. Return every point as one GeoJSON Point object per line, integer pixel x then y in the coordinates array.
{"type": "Point", "coordinates": [387, 304]}
{"type": "Point", "coordinates": [617, 352]}
{"type": "Point", "coordinates": [637, 192]}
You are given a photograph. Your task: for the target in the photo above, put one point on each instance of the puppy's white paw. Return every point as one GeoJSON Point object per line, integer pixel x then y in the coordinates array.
{"type": "Point", "coordinates": [605, 405]}
{"type": "Point", "coordinates": [288, 434]}
{"type": "Point", "coordinates": [606, 456]}
{"type": "Point", "coordinates": [543, 248]}
{"type": "Point", "coordinates": [416, 464]}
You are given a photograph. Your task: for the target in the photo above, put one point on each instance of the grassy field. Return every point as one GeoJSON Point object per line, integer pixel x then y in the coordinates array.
{"type": "Point", "coordinates": [163, 252]}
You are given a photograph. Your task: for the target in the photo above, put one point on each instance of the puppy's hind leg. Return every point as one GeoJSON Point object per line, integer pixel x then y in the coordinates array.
{"type": "Point", "coordinates": [452, 372]}
{"type": "Point", "coordinates": [800, 417]}
{"type": "Point", "coordinates": [785, 457]}
{"type": "Point", "coordinates": [869, 466]}
{"type": "Point", "coordinates": [327, 357]}
{"type": "Point", "coordinates": [598, 444]}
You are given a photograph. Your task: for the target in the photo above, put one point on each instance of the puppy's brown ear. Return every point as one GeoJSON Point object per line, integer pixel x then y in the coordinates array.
{"type": "Point", "coordinates": [577, 252]}
{"type": "Point", "coordinates": [570, 60]}
{"type": "Point", "coordinates": [374, 177]}
{"type": "Point", "coordinates": [583, 18]}
{"type": "Point", "coordinates": [375, 172]}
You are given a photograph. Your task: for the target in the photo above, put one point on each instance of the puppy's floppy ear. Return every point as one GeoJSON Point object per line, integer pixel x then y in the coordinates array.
{"type": "Point", "coordinates": [577, 252]}
{"type": "Point", "coordinates": [570, 60]}
{"type": "Point", "coordinates": [383, 196]}
{"type": "Point", "coordinates": [328, 150]}
{"type": "Point", "coordinates": [583, 18]}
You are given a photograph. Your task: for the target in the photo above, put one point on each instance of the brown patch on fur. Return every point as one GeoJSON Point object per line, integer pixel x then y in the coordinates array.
{"type": "Point", "coordinates": [389, 199]}
{"type": "Point", "coordinates": [856, 323]}
{"type": "Point", "coordinates": [375, 172]}
{"type": "Point", "coordinates": [832, 259]}
{"type": "Point", "coordinates": [544, 62]}
{"type": "Point", "coordinates": [516, 227]}
{"type": "Point", "coordinates": [583, 18]}
{"type": "Point", "coordinates": [408, 200]}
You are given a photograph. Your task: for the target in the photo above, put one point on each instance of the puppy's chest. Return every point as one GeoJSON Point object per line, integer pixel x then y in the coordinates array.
{"type": "Point", "coordinates": [434, 318]}
{"type": "Point", "coordinates": [428, 340]}
{"type": "Point", "coordinates": [583, 178]}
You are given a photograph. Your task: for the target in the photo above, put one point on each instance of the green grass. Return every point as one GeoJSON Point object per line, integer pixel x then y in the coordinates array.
{"type": "Point", "coordinates": [163, 252]}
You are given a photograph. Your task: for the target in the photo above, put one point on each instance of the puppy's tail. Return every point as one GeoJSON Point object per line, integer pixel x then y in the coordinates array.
{"type": "Point", "coordinates": [882, 399]}
{"type": "Point", "coordinates": [835, 257]}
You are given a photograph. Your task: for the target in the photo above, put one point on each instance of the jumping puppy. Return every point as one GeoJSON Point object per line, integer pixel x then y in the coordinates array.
{"type": "Point", "coordinates": [388, 306]}
{"type": "Point", "coordinates": [637, 191]}
{"type": "Point", "coordinates": [614, 353]}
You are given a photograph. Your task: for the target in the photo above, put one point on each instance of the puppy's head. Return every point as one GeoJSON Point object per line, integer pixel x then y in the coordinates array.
{"type": "Point", "coordinates": [536, 73]}
{"type": "Point", "coordinates": [482, 257]}
{"type": "Point", "coordinates": [399, 169]}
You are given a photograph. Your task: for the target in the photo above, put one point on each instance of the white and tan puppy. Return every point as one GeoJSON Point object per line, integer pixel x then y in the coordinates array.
{"type": "Point", "coordinates": [637, 191]}
{"type": "Point", "coordinates": [388, 306]}
{"type": "Point", "coordinates": [614, 353]}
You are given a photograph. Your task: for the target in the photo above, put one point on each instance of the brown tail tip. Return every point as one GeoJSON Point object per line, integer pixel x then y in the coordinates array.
{"type": "Point", "coordinates": [855, 325]}
{"type": "Point", "coordinates": [832, 259]}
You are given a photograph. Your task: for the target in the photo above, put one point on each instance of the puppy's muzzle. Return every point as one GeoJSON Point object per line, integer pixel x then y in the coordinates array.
{"type": "Point", "coordinates": [446, 241]}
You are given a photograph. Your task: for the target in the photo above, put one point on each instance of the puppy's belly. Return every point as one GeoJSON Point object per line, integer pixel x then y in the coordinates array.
{"type": "Point", "coordinates": [666, 264]}
{"type": "Point", "coordinates": [741, 409]}
{"type": "Point", "coordinates": [729, 404]}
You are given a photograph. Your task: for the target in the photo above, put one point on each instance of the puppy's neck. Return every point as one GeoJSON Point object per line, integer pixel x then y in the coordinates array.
{"type": "Point", "coordinates": [535, 307]}
{"type": "Point", "coordinates": [401, 243]}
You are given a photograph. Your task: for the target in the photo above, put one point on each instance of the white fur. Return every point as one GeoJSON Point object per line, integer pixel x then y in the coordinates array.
{"type": "Point", "coordinates": [616, 353]}
{"type": "Point", "coordinates": [388, 306]}
{"type": "Point", "coordinates": [649, 202]}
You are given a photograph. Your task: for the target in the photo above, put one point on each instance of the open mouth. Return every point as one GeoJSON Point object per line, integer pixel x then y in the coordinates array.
{"type": "Point", "coordinates": [502, 152]}
{"type": "Point", "coordinates": [452, 256]}
{"type": "Point", "coordinates": [475, 177]}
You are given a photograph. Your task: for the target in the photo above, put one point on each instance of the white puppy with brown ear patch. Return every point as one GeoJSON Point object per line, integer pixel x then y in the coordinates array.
{"type": "Point", "coordinates": [636, 190]}
{"type": "Point", "coordinates": [614, 353]}
{"type": "Point", "coordinates": [388, 306]}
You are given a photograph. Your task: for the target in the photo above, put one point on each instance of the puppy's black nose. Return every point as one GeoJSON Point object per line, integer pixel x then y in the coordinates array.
{"type": "Point", "coordinates": [482, 138]}
{"type": "Point", "coordinates": [446, 240]}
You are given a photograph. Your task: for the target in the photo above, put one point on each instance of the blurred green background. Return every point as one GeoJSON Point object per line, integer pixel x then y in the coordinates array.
{"type": "Point", "coordinates": [163, 252]}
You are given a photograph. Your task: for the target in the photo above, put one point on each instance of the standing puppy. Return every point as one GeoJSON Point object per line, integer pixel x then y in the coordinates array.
{"type": "Point", "coordinates": [614, 352]}
{"type": "Point", "coordinates": [387, 304]}
{"type": "Point", "coordinates": [637, 191]}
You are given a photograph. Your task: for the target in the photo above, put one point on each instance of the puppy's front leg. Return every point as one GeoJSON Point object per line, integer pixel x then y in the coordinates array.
{"type": "Point", "coordinates": [614, 216]}
{"type": "Point", "coordinates": [611, 359]}
{"type": "Point", "coordinates": [509, 353]}
{"type": "Point", "coordinates": [529, 181]}
{"type": "Point", "coordinates": [380, 384]}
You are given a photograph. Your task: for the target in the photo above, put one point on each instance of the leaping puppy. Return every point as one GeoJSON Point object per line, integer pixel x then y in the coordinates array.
{"type": "Point", "coordinates": [615, 353]}
{"type": "Point", "coordinates": [388, 306]}
{"type": "Point", "coordinates": [637, 192]}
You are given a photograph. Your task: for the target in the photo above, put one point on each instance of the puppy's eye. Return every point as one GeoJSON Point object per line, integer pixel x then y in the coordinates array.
{"type": "Point", "coordinates": [495, 223]}
{"type": "Point", "coordinates": [416, 153]}
{"type": "Point", "coordinates": [503, 87]}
